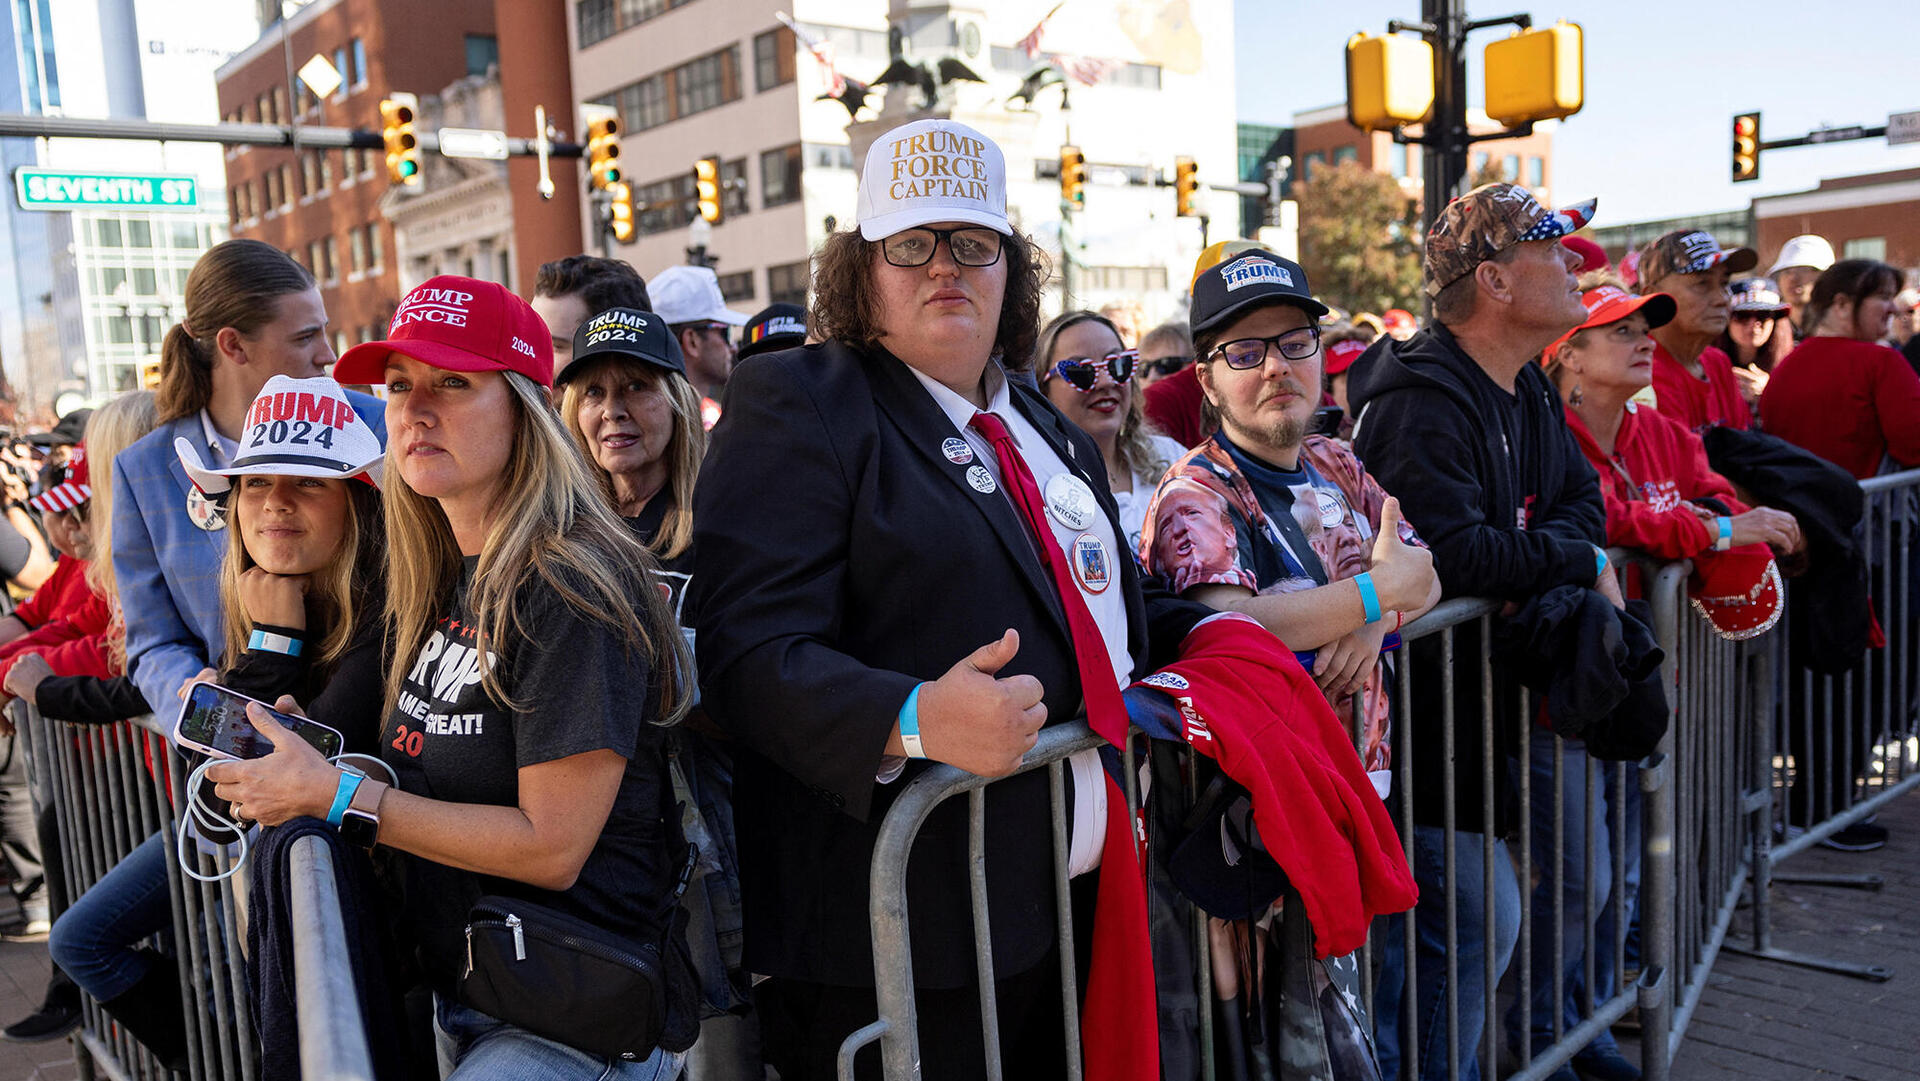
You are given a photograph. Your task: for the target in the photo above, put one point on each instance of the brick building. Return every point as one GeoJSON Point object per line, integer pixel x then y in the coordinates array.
{"type": "Point", "coordinates": [323, 206]}
{"type": "Point", "coordinates": [1322, 138]}
{"type": "Point", "coordinates": [1871, 216]}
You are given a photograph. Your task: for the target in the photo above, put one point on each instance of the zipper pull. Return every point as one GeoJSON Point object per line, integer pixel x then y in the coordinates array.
{"type": "Point", "coordinates": [519, 940]}
{"type": "Point", "coordinates": [469, 971]}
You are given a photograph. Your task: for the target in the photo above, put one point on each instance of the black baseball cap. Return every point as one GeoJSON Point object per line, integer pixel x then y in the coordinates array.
{"type": "Point", "coordinates": [624, 333]}
{"type": "Point", "coordinates": [71, 430]}
{"type": "Point", "coordinates": [1251, 279]}
{"type": "Point", "coordinates": [776, 326]}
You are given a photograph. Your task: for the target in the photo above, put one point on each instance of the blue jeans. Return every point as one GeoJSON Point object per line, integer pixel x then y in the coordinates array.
{"type": "Point", "coordinates": [93, 939]}
{"type": "Point", "coordinates": [1469, 981]}
{"type": "Point", "coordinates": [475, 1047]}
{"type": "Point", "coordinates": [1578, 773]}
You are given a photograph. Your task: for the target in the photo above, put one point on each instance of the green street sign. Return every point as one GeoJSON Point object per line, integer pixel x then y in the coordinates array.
{"type": "Point", "coordinates": [59, 189]}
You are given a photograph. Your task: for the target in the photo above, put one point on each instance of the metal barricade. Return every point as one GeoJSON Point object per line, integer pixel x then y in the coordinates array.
{"type": "Point", "coordinates": [1838, 747]}
{"type": "Point", "coordinates": [114, 787]}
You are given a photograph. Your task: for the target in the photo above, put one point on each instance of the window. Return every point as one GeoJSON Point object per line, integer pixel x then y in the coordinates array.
{"type": "Point", "coordinates": [598, 20]}
{"type": "Point", "coordinates": [280, 114]}
{"type": "Point", "coordinates": [1536, 172]}
{"type": "Point", "coordinates": [366, 163]}
{"type": "Point", "coordinates": [503, 263]}
{"type": "Point", "coordinates": [341, 65]}
{"type": "Point", "coordinates": [1510, 167]}
{"type": "Point", "coordinates": [483, 53]}
{"type": "Point", "coordinates": [356, 253]}
{"type": "Point", "coordinates": [339, 342]}
{"type": "Point", "coordinates": [310, 174]}
{"type": "Point", "coordinates": [829, 156]}
{"type": "Point", "coordinates": [1480, 161]}
{"type": "Point", "coordinates": [693, 87]}
{"type": "Point", "coordinates": [359, 50]}
{"type": "Point", "coordinates": [185, 236]}
{"type": "Point", "coordinates": [787, 283]}
{"type": "Point", "coordinates": [1397, 155]}
{"type": "Point", "coordinates": [286, 186]}
{"type": "Point", "coordinates": [641, 105]}
{"type": "Point", "coordinates": [733, 186]}
{"type": "Point", "coordinates": [1139, 76]}
{"type": "Point", "coordinates": [139, 233]}
{"type": "Point", "coordinates": [374, 254]}
{"type": "Point", "coordinates": [664, 204]}
{"type": "Point", "coordinates": [1865, 247]}
{"type": "Point", "coordinates": [112, 278]}
{"type": "Point", "coordinates": [270, 186]}
{"type": "Point", "coordinates": [773, 58]}
{"type": "Point", "coordinates": [145, 284]}
{"type": "Point", "coordinates": [699, 85]}
{"type": "Point", "coordinates": [326, 169]}
{"type": "Point", "coordinates": [315, 266]}
{"type": "Point", "coordinates": [780, 176]}
{"type": "Point", "coordinates": [1125, 279]}
{"type": "Point", "coordinates": [1345, 153]}
{"type": "Point", "coordinates": [1313, 160]}
{"type": "Point", "coordinates": [735, 287]}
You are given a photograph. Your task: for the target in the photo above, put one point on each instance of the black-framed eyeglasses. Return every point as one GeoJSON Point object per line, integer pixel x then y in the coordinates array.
{"type": "Point", "coordinates": [1163, 366]}
{"type": "Point", "coordinates": [1755, 317]}
{"type": "Point", "coordinates": [1243, 353]}
{"type": "Point", "coordinates": [722, 329]}
{"type": "Point", "coordinates": [1084, 372]}
{"type": "Point", "coordinates": [971, 245]}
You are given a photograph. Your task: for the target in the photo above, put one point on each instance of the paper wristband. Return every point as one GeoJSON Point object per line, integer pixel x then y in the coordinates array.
{"type": "Point", "coordinates": [342, 796]}
{"type": "Point", "coordinates": [1369, 597]}
{"type": "Point", "coordinates": [1726, 534]}
{"type": "Point", "coordinates": [910, 724]}
{"type": "Point", "coordinates": [274, 643]}
{"type": "Point", "coordinates": [1599, 561]}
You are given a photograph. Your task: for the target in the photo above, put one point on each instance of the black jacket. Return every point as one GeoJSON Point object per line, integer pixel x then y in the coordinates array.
{"type": "Point", "coordinates": [89, 699]}
{"type": "Point", "coordinates": [1596, 666]}
{"type": "Point", "coordinates": [839, 559]}
{"type": "Point", "coordinates": [1510, 508]}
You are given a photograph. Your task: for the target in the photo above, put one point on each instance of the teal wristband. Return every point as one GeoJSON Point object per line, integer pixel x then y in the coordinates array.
{"type": "Point", "coordinates": [1599, 561]}
{"type": "Point", "coordinates": [910, 724]}
{"type": "Point", "coordinates": [342, 796]}
{"type": "Point", "coordinates": [274, 643]}
{"type": "Point", "coordinates": [1726, 533]}
{"type": "Point", "coordinates": [1369, 597]}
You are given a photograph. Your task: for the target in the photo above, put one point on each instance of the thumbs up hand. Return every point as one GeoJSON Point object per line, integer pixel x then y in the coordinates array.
{"type": "Point", "coordinates": [1402, 572]}
{"type": "Point", "coordinates": [972, 718]}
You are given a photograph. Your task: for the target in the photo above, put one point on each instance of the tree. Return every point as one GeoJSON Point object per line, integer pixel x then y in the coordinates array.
{"type": "Point", "coordinates": [1360, 238]}
{"type": "Point", "coordinates": [1490, 171]}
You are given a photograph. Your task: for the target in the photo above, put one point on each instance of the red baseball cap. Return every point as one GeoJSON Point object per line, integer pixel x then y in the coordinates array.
{"type": "Point", "coordinates": [70, 492]}
{"type": "Point", "coordinates": [1610, 304]}
{"type": "Point", "coordinates": [1739, 591]}
{"type": "Point", "coordinates": [1592, 256]}
{"type": "Point", "coordinates": [1341, 355]}
{"type": "Point", "coordinates": [460, 325]}
{"type": "Point", "coordinates": [1395, 318]}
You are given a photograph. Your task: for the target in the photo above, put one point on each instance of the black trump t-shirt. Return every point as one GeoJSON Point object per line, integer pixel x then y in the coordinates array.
{"type": "Point", "coordinates": [582, 690]}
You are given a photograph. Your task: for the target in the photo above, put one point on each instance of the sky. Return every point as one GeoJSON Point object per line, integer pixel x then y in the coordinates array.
{"type": "Point", "coordinates": [1655, 137]}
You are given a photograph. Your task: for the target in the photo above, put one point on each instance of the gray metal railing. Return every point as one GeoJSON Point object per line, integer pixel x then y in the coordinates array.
{"type": "Point", "coordinates": [111, 787]}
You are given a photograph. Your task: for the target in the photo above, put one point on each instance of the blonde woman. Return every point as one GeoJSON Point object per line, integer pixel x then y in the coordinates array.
{"type": "Point", "coordinates": [535, 672]}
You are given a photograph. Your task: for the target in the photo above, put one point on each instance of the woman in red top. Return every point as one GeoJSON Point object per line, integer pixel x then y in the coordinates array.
{"type": "Point", "coordinates": [1840, 393]}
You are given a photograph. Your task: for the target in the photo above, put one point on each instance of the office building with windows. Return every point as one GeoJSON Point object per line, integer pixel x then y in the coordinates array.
{"type": "Point", "coordinates": [323, 206]}
{"type": "Point", "coordinates": [726, 79]}
{"type": "Point", "coordinates": [1322, 138]}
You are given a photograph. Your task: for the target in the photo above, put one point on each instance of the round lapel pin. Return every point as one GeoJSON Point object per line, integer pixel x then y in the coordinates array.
{"type": "Point", "coordinates": [205, 513]}
{"type": "Point", "coordinates": [1070, 501]}
{"type": "Point", "coordinates": [981, 480]}
{"type": "Point", "coordinates": [1091, 567]}
{"type": "Point", "coordinates": [957, 450]}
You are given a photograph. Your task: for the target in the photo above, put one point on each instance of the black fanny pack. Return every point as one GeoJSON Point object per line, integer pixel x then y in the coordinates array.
{"type": "Point", "coordinates": [559, 976]}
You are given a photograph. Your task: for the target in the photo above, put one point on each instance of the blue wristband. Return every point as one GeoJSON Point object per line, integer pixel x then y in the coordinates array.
{"type": "Point", "coordinates": [1369, 597]}
{"type": "Point", "coordinates": [274, 643]}
{"type": "Point", "coordinates": [1599, 561]}
{"type": "Point", "coordinates": [1726, 533]}
{"type": "Point", "coordinates": [342, 796]}
{"type": "Point", "coordinates": [910, 724]}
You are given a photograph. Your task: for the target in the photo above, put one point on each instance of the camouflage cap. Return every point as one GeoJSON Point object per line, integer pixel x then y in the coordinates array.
{"type": "Point", "coordinates": [1487, 221]}
{"type": "Point", "coordinates": [1690, 251]}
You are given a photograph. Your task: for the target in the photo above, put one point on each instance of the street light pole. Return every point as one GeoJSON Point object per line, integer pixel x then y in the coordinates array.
{"type": "Point", "coordinates": [1444, 164]}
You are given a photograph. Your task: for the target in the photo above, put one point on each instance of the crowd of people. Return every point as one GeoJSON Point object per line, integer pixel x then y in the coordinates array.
{"type": "Point", "coordinates": [632, 615]}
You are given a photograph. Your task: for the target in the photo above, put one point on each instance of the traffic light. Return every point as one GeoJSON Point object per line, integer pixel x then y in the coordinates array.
{"type": "Point", "coordinates": [1073, 176]}
{"type": "Point", "coordinates": [397, 113]}
{"type": "Point", "coordinates": [603, 148]}
{"type": "Point", "coordinates": [1536, 74]}
{"type": "Point", "coordinates": [1389, 81]}
{"type": "Point", "coordinates": [1746, 147]}
{"type": "Point", "coordinates": [620, 211]}
{"type": "Point", "coordinates": [706, 189]}
{"type": "Point", "coordinates": [1186, 185]}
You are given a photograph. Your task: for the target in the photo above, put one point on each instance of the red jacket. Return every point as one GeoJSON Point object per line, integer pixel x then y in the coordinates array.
{"type": "Point", "coordinates": [1699, 403]}
{"type": "Point", "coordinates": [1252, 708]}
{"type": "Point", "coordinates": [1173, 405]}
{"type": "Point", "coordinates": [69, 622]}
{"type": "Point", "coordinates": [1657, 472]}
{"type": "Point", "coordinates": [63, 590]}
{"type": "Point", "coordinates": [1851, 402]}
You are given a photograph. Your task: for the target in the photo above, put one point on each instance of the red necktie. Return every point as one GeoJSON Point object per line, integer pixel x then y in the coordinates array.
{"type": "Point", "coordinates": [1120, 1031]}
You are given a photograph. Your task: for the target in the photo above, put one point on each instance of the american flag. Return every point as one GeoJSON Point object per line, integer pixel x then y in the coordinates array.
{"type": "Point", "coordinates": [1031, 43]}
{"type": "Point", "coordinates": [1087, 70]}
{"type": "Point", "coordinates": [821, 50]}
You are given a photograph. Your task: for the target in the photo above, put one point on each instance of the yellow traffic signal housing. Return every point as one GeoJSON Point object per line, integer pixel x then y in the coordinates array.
{"type": "Point", "coordinates": [706, 189]}
{"type": "Point", "coordinates": [1186, 185]}
{"type": "Point", "coordinates": [1536, 75]}
{"type": "Point", "coordinates": [1389, 81]}
{"type": "Point", "coordinates": [150, 375]}
{"type": "Point", "coordinates": [1746, 147]}
{"type": "Point", "coordinates": [620, 211]}
{"type": "Point", "coordinates": [397, 114]}
{"type": "Point", "coordinates": [1073, 176]}
{"type": "Point", "coordinates": [603, 148]}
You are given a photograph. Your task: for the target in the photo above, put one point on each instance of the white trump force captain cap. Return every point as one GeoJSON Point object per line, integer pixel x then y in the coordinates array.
{"type": "Point", "coordinates": [930, 171]}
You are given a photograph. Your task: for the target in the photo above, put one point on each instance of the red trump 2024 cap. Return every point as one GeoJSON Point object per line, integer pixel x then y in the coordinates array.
{"type": "Point", "coordinates": [460, 325]}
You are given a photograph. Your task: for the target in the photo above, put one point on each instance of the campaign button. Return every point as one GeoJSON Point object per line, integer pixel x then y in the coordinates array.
{"type": "Point", "coordinates": [957, 450]}
{"type": "Point", "coordinates": [1332, 511]}
{"type": "Point", "coordinates": [208, 514]}
{"type": "Point", "coordinates": [1090, 563]}
{"type": "Point", "coordinates": [981, 480]}
{"type": "Point", "coordinates": [1070, 501]}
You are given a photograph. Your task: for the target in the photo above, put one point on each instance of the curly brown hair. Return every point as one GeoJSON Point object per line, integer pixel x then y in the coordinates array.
{"type": "Point", "coordinates": [843, 308]}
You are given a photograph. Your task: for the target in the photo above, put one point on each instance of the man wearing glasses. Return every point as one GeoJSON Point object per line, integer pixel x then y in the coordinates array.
{"type": "Point", "coordinates": [688, 298]}
{"type": "Point", "coordinates": [1321, 558]}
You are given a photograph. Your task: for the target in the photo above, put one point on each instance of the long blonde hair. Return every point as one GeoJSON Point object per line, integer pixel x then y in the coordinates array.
{"type": "Point", "coordinates": [334, 593]}
{"type": "Point", "coordinates": [111, 429]}
{"type": "Point", "coordinates": [684, 452]}
{"type": "Point", "coordinates": [550, 520]}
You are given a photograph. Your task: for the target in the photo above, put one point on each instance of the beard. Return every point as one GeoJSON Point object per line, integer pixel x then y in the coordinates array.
{"type": "Point", "coordinates": [1281, 433]}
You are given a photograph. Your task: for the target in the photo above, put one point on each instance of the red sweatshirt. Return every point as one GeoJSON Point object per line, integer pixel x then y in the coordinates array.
{"type": "Point", "coordinates": [1699, 403]}
{"type": "Point", "coordinates": [1650, 482]}
{"type": "Point", "coordinates": [63, 591]}
{"type": "Point", "coordinates": [1252, 708]}
{"type": "Point", "coordinates": [1851, 402]}
{"type": "Point", "coordinates": [72, 632]}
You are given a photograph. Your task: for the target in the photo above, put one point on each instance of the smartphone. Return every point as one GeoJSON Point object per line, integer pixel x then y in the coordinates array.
{"type": "Point", "coordinates": [213, 720]}
{"type": "Point", "coordinates": [1326, 420]}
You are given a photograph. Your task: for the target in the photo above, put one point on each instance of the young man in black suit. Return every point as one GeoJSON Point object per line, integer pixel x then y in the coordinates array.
{"type": "Point", "coordinates": [870, 592]}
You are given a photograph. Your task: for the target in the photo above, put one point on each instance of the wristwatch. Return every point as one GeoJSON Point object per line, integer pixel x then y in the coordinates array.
{"type": "Point", "coordinates": [360, 824]}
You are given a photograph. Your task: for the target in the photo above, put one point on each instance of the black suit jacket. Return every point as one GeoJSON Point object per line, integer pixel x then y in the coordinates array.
{"type": "Point", "coordinates": [840, 560]}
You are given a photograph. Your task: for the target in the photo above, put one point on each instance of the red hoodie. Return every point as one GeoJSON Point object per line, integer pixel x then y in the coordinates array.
{"type": "Point", "coordinates": [1699, 403]}
{"type": "Point", "coordinates": [1251, 707]}
{"type": "Point", "coordinates": [1658, 469]}
{"type": "Point", "coordinates": [69, 622]}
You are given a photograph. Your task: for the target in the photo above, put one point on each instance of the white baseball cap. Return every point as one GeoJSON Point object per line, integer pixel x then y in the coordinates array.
{"type": "Point", "coordinates": [929, 171]}
{"type": "Point", "coordinates": [691, 294]}
{"type": "Point", "coordinates": [295, 428]}
{"type": "Point", "coordinates": [1804, 250]}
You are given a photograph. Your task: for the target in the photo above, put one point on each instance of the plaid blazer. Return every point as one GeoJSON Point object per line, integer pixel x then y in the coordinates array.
{"type": "Point", "coordinates": [168, 569]}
